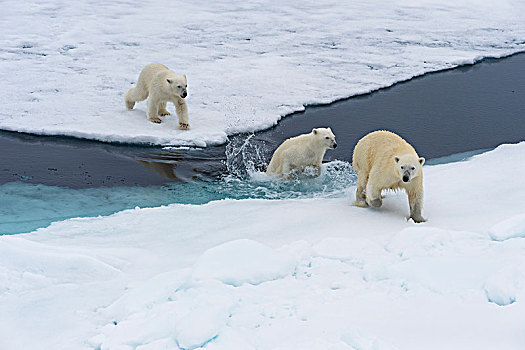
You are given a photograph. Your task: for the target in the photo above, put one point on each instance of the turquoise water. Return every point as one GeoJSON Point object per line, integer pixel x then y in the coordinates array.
{"type": "Point", "coordinates": [25, 207]}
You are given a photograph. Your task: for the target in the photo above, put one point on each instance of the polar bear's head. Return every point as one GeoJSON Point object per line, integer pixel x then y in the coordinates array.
{"type": "Point", "coordinates": [408, 166]}
{"type": "Point", "coordinates": [177, 84]}
{"type": "Point", "coordinates": [325, 137]}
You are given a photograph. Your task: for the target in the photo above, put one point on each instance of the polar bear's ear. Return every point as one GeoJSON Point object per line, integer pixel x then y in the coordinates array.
{"type": "Point", "coordinates": [421, 160]}
{"type": "Point", "coordinates": [396, 159]}
{"type": "Point", "coordinates": [314, 131]}
{"type": "Point", "coordinates": [169, 81]}
{"type": "Point", "coordinates": [185, 77]}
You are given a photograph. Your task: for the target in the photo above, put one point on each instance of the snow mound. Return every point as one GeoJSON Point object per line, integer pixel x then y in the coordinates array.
{"type": "Point", "coordinates": [513, 227]}
{"type": "Point", "coordinates": [507, 285]}
{"type": "Point", "coordinates": [500, 293]}
{"type": "Point", "coordinates": [35, 260]}
{"type": "Point", "coordinates": [242, 261]}
{"type": "Point", "coordinates": [146, 295]}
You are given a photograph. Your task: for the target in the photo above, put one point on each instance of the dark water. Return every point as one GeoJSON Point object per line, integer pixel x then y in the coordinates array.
{"type": "Point", "coordinates": [75, 163]}
{"type": "Point", "coordinates": [468, 108]}
{"type": "Point", "coordinates": [463, 109]}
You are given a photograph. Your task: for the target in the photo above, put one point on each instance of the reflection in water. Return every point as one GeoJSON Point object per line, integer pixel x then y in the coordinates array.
{"type": "Point", "coordinates": [166, 170]}
{"type": "Point", "coordinates": [75, 163]}
{"type": "Point", "coordinates": [163, 163]}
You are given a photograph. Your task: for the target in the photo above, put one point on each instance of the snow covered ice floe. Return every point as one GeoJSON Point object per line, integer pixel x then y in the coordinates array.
{"type": "Point", "coordinates": [513, 227]}
{"type": "Point", "coordinates": [65, 67]}
{"type": "Point", "coordinates": [314, 273]}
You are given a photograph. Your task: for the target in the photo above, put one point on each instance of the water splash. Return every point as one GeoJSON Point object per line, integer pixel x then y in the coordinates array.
{"type": "Point", "coordinates": [247, 159]}
{"type": "Point", "coordinates": [245, 155]}
{"type": "Point", "coordinates": [335, 179]}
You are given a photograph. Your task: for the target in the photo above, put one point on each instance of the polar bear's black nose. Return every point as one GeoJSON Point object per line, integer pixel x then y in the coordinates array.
{"type": "Point", "coordinates": [184, 94]}
{"type": "Point", "coordinates": [405, 178]}
{"type": "Point", "coordinates": [335, 145]}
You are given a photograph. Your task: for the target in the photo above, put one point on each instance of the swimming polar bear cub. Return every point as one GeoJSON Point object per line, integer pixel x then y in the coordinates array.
{"type": "Point", "coordinates": [383, 160]}
{"type": "Point", "coordinates": [302, 151]}
{"type": "Point", "coordinates": [161, 85]}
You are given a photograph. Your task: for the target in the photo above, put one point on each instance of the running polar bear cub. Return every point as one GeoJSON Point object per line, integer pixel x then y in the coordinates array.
{"type": "Point", "coordinates": [161, 85]}
{"type": "Point", "coordinates": [302, 151]}
{"type": "Point", "coordinates": [383, 160]}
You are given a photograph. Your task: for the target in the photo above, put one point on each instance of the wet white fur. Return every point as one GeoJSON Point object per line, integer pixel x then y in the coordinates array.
{"type": "Point", "coordinates": [381, 159]}
{"type": "Point", "coordinates": [301, 151]}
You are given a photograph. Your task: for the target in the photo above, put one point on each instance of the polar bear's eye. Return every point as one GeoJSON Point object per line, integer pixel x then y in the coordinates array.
{"type": "Point", "coordinates": [327, 137]}
{"type": "Point", "coordinates": [413, 168]}
{"type": "Point", "coordinates": [178, 86]}
{"type": "Point", "coordinates": [402, 167]}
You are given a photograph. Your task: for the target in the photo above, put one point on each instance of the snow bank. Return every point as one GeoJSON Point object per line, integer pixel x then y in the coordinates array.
{"type": "Point", "coordinates": [283, 274]}
{"type": "Point", "coordinates": [242, 261]}
{"type": "Point", "coordinates": [514, 227]}
{"type": "Point", "coordinates": [66, 66]}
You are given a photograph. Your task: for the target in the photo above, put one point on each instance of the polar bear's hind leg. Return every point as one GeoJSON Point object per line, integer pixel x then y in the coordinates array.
{"type": "Point", "coordinates": [135, 94]}
{"type": "Point", "coordinates": [360, 194]}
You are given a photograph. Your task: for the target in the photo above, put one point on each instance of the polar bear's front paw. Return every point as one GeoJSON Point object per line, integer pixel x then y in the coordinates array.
{"type": "Point", "coordinates": [417, 219]}
{"type": "Point", "coordinates": [164, 112]}
{"type": "Point", "coordinates": [130, 104]}
{"type": "Point", "coordinates": [155, 120]}
{"type": "Point", "coordinates": [376, 203]}
{"type": "Point", "coordinates": [184, 126]}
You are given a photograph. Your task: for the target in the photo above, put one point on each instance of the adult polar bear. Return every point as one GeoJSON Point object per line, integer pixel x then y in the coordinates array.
{"type": "Point", "coordinates": [302, 151]}
{"type": "Point", "coordinates": [383, 160]}
{"type": "Point", "coordinates": [161, 85]}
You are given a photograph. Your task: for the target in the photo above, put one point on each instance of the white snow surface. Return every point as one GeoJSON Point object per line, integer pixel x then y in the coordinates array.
{"type": "Point", "coordinates": [259, 263]}
{"type": "Point", "coordinates": [282, 274]}
{"type": "Point", "coordinates": [66, 65]}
